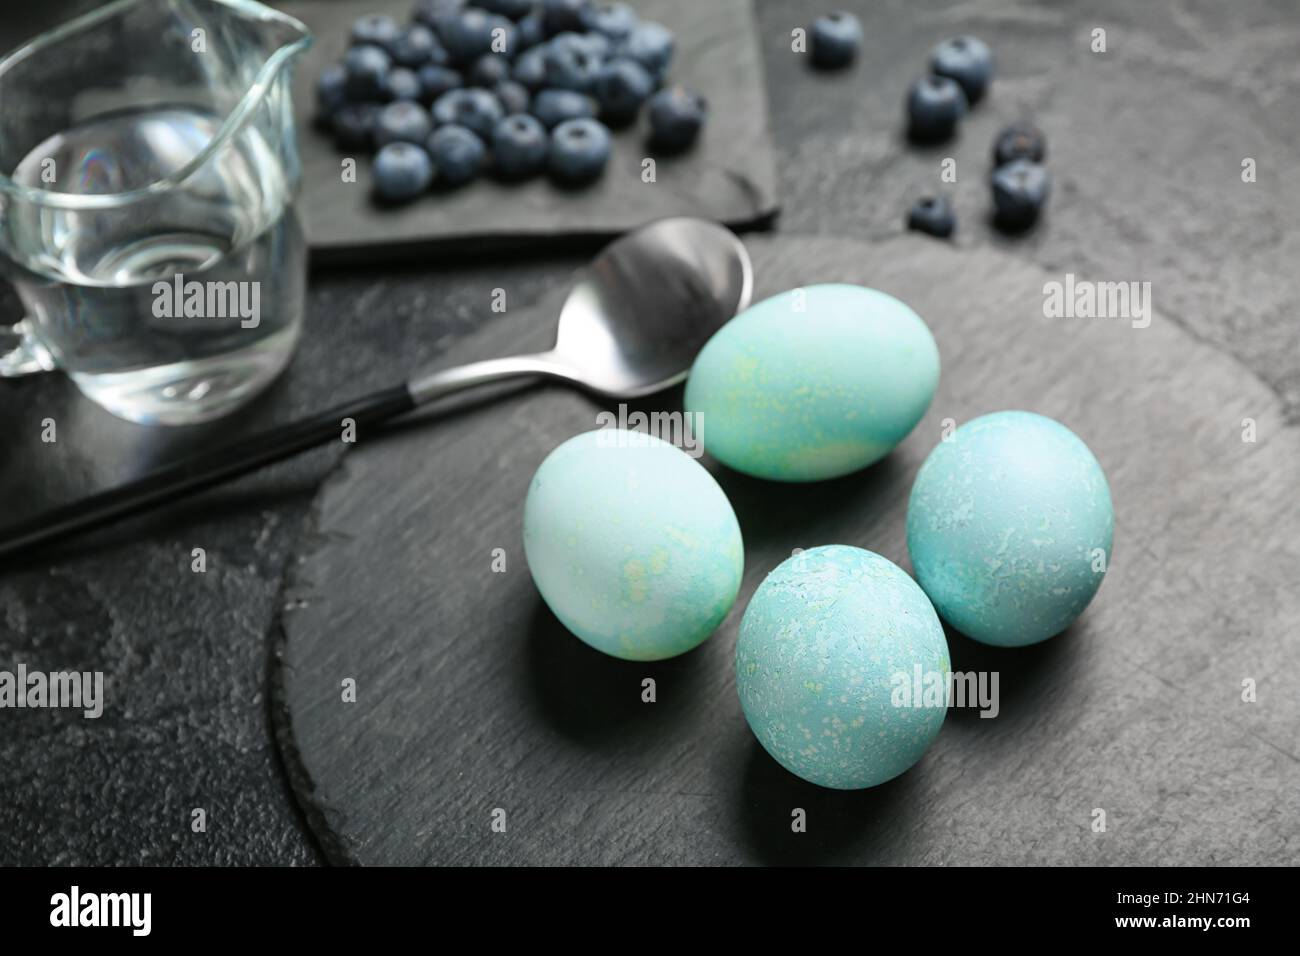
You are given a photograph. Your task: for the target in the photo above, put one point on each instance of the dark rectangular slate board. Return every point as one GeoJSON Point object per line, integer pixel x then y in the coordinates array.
{"type": "Point", "coordinates": [472, 697]}
{"type": "Point", "coordinates": [729, 175]}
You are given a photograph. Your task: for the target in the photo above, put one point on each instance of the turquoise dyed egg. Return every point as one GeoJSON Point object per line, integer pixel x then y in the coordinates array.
{"type": "Point", "coordinates": [632, 544]}
{"type": "Point", "coordinates": [1009, 527]}
{"type": "Point", "coordinates": [813, 383]}
{"type": "Point", "coordinates": [828, 643]}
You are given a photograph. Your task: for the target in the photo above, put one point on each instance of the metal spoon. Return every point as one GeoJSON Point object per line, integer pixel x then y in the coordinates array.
{"type": "Point", "coordinates": [632, 324]}
{"type": "Point", "coordinates": [636, 317]}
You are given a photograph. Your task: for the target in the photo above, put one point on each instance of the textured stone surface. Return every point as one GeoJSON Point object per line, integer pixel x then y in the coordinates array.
{"type": "Point", "coordinates": [1145, 144]}
{"type": "Point", "coordinates": [1146, 148]}
{"type": "Point", "coordinates": [184, 654]}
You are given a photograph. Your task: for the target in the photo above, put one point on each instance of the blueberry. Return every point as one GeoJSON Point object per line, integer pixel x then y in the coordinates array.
{"type": "Point", "coordinates": [615, 20]}
{"type": "Point", "coordinates": [579, 151]}
{"type": "Point", "coordinates": [1019, 141]}
{"type": "Point", "coordinates": [353, 125]}
{"type": "Point", "coordinates": [561, 15]}
{"type": "Point", "coordinates": [436, 13]}
{"type": "Point", "coordinates": [597, 44]}
{"type": "Point", "coordinates": [932, 215]}
{"type": "Point", "coordinates": [621, 86]}
{"type": "Point", "coordinates": [513, 9]}
{"type": "Point", "coordinates": [1020, 191]}
{"type": "Point", "coordinates": [650, 44]}
{"type": "Point", "coordinates": [530, 68]}
{"type": "Point", "coordinates": [402, 84]}
{"type": "Point", "coordinates": [366, 66]}
{"type": "Point", "coordinates": [458, 155]}
{"type": "Point", "coordinates": [331, 90]}
{"type": "Point", "coordinates": [436, 80]}
{"type": "Point", "coordinates": [531, 31]}
{"type": "Point", "coordinates": [676, 116]}
{"type": "Point", "coordinates": [402, 122]}
{"type": "Point", "coordinates": [376, 30]}
{"type": "Point", "coordinates": [836, 39]}
{"type": "Point", "coordinates": [519, 147]}
{"type": "Point", "coordinates": [571, 63]}
{"type": "Point", "coordinates": [553, 107]}
{"type": "Point", "coordinates": [416, 46]}
{"type": "Point", "coordinates": [402, 171]}
{"type": "Point", "coordinates": [477, 109]}
{"type": "Point", "coordinates": [488, 70]}
{"type": "Point", "coordinates": [514, 96]}
{"type": "Point", "coordinates": [934, 106]}
{"type": "Point", "coordinates": [468, 35]}
{"type": "Point", "coordinates": [966, 60]}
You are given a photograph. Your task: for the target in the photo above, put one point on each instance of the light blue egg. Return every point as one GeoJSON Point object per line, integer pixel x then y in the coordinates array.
{"type": "Point", "coordinates": [813, 383]}
{"type": "Point", "coordinates": [1009, 527]}
{"type": "Point", "coordinates": [828, 643]}
{"type": "Point", "coordinates": [632, 544]}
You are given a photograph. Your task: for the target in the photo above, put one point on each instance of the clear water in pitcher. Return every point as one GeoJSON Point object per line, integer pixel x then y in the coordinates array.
{"type": "Point", "coordinates": [178, 306]}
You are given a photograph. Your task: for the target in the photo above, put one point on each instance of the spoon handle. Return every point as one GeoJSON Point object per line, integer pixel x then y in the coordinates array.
{"type": "Point", "coordinates": [203, 471]}
{"type": "Point", "coordinates": [427, 387]}
{"type": "Point", "coordinates": [274, 444]}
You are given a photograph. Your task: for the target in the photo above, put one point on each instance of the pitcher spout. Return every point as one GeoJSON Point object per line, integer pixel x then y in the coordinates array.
{"type": "Point", "coordinates": [226, 62]}
{"type": "Point", "coordinates": [281, 37]}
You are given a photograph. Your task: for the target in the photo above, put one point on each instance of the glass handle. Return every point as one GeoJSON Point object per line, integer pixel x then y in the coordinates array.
{"type": "Point", "coordinates": [25, 355]}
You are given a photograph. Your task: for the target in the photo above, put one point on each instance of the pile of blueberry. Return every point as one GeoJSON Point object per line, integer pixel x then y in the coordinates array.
{"type": "Point", "coordinates": [961, 70]}
{"type": "Point", "coordinates": [514, 87]}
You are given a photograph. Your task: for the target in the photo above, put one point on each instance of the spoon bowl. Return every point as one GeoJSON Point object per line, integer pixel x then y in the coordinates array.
{"type": "Point", "coordinates": [640, 313]}
{"type": "Point", "coordinates": [636, 316]}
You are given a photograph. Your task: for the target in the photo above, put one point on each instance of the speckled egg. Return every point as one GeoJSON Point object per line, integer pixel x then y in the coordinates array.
{"type": "Point", "coordinates": [632, 544]}
{"type": "Point", "coordinates": [813, 383]}
{"type": "Point", "coordinates": [827, 643]}
{"type": "Point", "coordinates": [1009, 527]}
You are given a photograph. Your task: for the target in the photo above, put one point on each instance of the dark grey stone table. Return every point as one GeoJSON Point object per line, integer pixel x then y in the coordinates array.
{"type": "Point", "coordinates": [1147, 142]}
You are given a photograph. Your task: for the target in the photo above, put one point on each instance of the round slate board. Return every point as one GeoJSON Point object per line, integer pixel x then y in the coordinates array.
{"type": "Point", "coordinates": [471, 698]}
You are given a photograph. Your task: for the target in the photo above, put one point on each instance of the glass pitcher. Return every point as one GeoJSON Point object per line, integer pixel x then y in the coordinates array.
{"type": "Point", "coordinates": [148, 164]}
